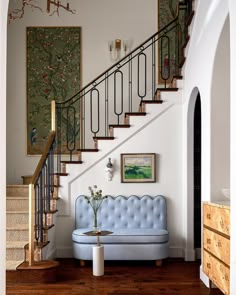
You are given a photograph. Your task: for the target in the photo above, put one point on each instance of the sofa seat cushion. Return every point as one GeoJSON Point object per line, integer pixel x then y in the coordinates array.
{"type": "Point", "coordinates": [123, 236]}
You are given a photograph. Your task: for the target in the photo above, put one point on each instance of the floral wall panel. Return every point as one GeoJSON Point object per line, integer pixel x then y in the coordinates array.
{"type": "Point", "coordinates": [53, 73]}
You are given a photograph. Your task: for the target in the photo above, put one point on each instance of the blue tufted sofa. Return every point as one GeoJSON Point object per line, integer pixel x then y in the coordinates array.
{"type": "Point", "coordinates": [139, 226]}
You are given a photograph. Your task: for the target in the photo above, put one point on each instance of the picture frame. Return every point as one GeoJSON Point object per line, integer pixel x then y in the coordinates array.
{"type": "Point", "coordinates": [138, 167]}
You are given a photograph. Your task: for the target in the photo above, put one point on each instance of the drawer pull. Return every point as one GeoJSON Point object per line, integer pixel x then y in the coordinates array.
{"type": "Point", "coordinates": [208, 265]}
{"type": "Point", "coordinates": [208, 241]}
{"type": "Point", "coordinates": [219, 244]}
{"type": "Point", "coordinates": [208, 216]}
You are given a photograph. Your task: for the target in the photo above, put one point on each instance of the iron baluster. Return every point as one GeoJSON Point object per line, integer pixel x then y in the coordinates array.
{"type": "Point", "coordinates": [91, 111]}
{"type": "Point", "coordinates": [106, 106]}
{"type": "Point", "coordinates": [118, 113]}
{"type": "Point", "coordinates": [130, 83]}
{"type": "Point", "coordinates": [153, 68]}
{"type": "Point", "coordinates": [83, 122]}
{"type": "Point", "coordinates": [165, 58]}
{"type": "Point", "coordinates": [71, 130]}
{"type": "Point", "coordinates": [145, 76]}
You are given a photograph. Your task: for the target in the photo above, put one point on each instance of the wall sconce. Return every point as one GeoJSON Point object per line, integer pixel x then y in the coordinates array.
{"type": "Point", "coordinates": [109, 170]}
{"type": "Point", "coordinates": [116, 47]}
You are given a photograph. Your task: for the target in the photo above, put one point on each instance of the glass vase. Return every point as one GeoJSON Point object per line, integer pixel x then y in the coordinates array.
{"type": "Point", "coordinates": [95, 224]}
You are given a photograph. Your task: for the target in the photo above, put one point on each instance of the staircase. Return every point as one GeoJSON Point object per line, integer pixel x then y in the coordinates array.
{"type": "Point", "coordinates": [18, 195]}
{"type": "Point", "coordinates": [17, 228]}
{"type": "Point", "coordinates": [17, 225]}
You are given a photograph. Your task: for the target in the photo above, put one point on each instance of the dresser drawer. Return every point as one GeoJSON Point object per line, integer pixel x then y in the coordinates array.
{"type": "Point", "coordinates": [217, 245]}
{"type": "Point", "coordinates": [217, 218]}
{"type": "Point", "coordinates": [217, 272]}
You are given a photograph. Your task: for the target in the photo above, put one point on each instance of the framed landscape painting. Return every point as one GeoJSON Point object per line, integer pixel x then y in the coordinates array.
{"type": "Point", "coordinates": [53, 73]}
{"type": "Point", "coordinates": [138, 167]}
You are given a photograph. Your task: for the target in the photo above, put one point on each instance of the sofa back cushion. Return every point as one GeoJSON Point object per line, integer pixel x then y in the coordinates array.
{"type": "Point", "coordinates": [124, 212]}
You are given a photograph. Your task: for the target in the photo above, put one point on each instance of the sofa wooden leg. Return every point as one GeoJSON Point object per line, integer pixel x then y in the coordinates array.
{"type": "Point", "coordinates": [159, 263]}
{"type": "Point", "coordinates": [82, 263]}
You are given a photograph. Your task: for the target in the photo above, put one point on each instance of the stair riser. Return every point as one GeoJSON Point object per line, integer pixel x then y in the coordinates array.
{"type": "Point", "coordinates": [15, 254]}
{"type": "Point", "coordinates": [17, 191]}
{"type": "Point", "coordinates": [23, 204]}
{"type": "Point", "coordinates": [17, 218]}
{"type": "Point", "coordinates": [14, 204]}
{"type": "Point", "coordinates": [17, 235]}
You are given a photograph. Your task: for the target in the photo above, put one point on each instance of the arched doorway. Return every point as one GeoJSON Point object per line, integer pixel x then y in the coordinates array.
{"type": "Point", "coordinates": [193, 239]}
{"type": "Point", "coordinates": [197, 175]}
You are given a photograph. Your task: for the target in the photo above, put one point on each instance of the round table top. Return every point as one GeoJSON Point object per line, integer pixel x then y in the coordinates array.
{"type": "Point", "coordinates": [98, 233]}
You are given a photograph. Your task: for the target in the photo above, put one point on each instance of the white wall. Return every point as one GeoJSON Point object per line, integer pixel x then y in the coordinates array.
{"type": "Point", "coordinates": [220, 116]}
{"type": "Point", "coordinates": [207, 26]}
{"type": "Point", "coordinates": [162, 136]}
{"type": "Point", "coordinates": [207, 58]}
{"type": "Point", "coordinates": [100, 21]}
{"type": "Point", "coordinates": [3, 38]}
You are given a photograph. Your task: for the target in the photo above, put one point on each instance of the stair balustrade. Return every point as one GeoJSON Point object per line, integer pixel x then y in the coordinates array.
{"type": "Point", "coordinates": [87, 116]}
{"type": "Point", "coordinates": [41, 193]}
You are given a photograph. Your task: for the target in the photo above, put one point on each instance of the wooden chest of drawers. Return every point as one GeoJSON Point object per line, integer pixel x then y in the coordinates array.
{"type": "Point", "coordinates": [216, 244]}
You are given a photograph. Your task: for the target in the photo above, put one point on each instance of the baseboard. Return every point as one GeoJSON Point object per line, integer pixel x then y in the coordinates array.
{"type": "Point", "coordinates": [50, 255]}
{"type": "Point", "coordinates": [176, 252]}
{"type": "Point", "coordinates": [64, 252]}
{"type": "Point", "coordinates": [204, 278]}
{"type": "Point", "coordinates": [190, 255]}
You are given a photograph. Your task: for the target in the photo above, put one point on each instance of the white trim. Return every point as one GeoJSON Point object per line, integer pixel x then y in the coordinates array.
{"type": "Point", "coordinates": [3, 54]}
{"type": "Point", "coordinates": [190, 255]}
{"type": "Point", "coordinates": [204, 278]}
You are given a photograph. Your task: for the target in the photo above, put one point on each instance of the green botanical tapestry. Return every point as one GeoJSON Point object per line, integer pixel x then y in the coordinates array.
{"type": "Point", "coordinates": [53, 73]}
{"type": "Point", "coordinates": [169, 46]}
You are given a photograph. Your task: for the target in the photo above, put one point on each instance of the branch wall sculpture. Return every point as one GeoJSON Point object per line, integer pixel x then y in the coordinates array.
{"type": "Point", "coordinates": [52, 7]}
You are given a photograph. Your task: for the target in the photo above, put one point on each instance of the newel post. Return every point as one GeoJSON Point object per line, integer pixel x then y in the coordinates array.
{"type": "Point", "coordinates": [53, 115]}
{"type": "Point", "coordinates": [31, 223]}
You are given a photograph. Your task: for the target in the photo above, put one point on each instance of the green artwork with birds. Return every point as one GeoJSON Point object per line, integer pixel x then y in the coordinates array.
{"type": "Point", "coordinates": [53, 73]}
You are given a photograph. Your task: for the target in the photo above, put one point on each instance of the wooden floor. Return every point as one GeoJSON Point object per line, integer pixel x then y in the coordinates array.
{"type": "Point", "coordinates": [121, 278]}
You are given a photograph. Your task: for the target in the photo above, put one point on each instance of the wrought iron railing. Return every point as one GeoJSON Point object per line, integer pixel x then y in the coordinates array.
{"type": "Point", "coordinates": [122, 88]}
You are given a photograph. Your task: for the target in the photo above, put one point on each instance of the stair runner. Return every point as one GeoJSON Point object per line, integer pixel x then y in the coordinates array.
{"type": "Point", "coordinates": [17, 228]}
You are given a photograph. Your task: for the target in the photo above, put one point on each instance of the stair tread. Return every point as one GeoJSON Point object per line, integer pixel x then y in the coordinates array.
{"type": "Point", "coordinates": [12, 197]}
{"type": "Point", "coordinates": [16, 244]}
{"type": "Point", "coordinates": [13, 264]}
{"type": "Point", "coordinates": [18, 226]}
{"type": "Point", "coordinates": [167, 89]}
{"type": "Point", "coordinates": [17, 211]}
{"type": "Point", "coordinates": [87, 150]}
{"type": "Point", "coordinates": [71, 162]}
{"type": "Point", "coordinates": [17, 185]}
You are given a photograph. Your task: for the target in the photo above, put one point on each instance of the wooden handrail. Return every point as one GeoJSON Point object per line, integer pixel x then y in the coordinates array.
{"type": "Point", "coordinates": [43, 157]}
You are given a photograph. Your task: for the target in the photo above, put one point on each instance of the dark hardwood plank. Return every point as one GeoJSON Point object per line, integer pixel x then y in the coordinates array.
{"type": "Point", "coordinates": [175, 277]}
